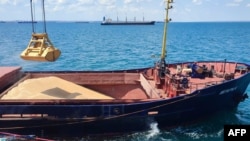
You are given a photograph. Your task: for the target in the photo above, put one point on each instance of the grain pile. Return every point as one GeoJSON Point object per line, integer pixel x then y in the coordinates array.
{"type": "Point", "coordinates": [52, 88]}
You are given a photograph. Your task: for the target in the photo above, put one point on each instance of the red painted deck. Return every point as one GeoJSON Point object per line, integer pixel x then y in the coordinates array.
{"type": "Point", "coordinates": [170, 86]}
{"type": "Point", "coordinates": [137, 85]}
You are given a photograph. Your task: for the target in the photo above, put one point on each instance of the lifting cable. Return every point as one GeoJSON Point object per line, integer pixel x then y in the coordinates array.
{"type": "Point", "coordinates": [32, 17]}
{"type": "Point", "coordinates": [32, 10]}
{"type": "Point", "coordinates": [44, 21]}
{"type": "Point", "coordinates": [40, 48]}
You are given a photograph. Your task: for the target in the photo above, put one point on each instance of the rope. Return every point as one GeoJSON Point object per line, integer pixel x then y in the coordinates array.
{"type": "Point", "coordinates": [34, 9]}
{"type": "Point", "coordinates": [44, 22]}
{"type": "Point", "coordinates": [107, 118]}
{"type": "Point", "coordinates": [32, 20]}
{"type": "Point", "coordinates": [33, 17]}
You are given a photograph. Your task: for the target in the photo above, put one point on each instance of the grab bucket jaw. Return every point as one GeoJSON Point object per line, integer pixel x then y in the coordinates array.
{"type": "Point", "coordinates": [41, 49]}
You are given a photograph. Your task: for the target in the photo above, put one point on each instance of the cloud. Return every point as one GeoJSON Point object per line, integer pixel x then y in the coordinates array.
{"type": "Point", "coordinates": [197, 2]}
{"type": "Point", "coordinates": [238, 1]}
{"type": "Point", "coordinates": [234, 3]}
{"type": "Point", "coordinates": [105, 6]}
{"type": "Point", "coordinates": [4, 1]}
{"type": "Point", "coordinates": [11, 2]}
{"type": "Point", "coordinates": [56, 2]}
{"type": "Point", "coordinates": [107, 2]}
{"type": "Point", "coordinates": [133, 1]}
{"type": "Point", "coordinates": [68, 5]}
{"type": "Point", "coordinates": [248, 5]}
{"type": "Point", "coordinates": [127, 1]}
{"type": "Point", "coordinates": [187, 9]}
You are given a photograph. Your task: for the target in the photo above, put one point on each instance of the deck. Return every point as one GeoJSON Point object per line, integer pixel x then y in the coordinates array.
{"type": "Point", "coordinates": [170, 85]}
{"type": "Point", "coordinates": [135, 85]}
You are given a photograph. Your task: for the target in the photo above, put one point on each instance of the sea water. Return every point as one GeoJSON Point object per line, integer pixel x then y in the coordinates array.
{"type": "Point", "coordinates": [90, 46]}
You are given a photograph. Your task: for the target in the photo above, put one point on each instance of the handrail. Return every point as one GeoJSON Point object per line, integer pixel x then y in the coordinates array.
{"type": "Point", "coordinates": [197, 86]}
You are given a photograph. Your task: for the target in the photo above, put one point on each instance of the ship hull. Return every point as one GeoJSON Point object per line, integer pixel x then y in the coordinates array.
{"type": "Point", "coordinates": [104, 116]}
{"type": "Point", "coordinates": [73, 119]}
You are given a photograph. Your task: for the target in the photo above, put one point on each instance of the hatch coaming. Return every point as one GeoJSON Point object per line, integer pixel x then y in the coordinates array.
{"type": "Point", "coordinates": [9, 76]}
{"type": "Point", "coordinates": [116, 85]}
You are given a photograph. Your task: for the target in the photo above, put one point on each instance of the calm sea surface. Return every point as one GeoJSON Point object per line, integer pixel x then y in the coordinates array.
{"type": "Point", "coordinates": [90, 46]}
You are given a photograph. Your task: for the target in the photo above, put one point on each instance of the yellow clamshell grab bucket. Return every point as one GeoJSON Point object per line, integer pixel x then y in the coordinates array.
{"type": "Point", "coordinates": [40, 48]}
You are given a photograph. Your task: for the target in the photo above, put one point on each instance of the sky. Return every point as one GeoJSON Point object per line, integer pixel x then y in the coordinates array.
{"type": "Point", "coordinates": [94, 10]}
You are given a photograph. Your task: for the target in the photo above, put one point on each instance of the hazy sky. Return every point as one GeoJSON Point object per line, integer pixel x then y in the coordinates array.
{"type": "Point", "coordinates": [94, 10]}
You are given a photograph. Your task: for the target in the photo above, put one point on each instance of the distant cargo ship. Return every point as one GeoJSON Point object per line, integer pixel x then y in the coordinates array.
{"type": "Point", "coordinates": [110, 22]}
{"type": "Point", "coordinates": [26, 21]}
{"type": "Point", "coordinates": [81, 22]}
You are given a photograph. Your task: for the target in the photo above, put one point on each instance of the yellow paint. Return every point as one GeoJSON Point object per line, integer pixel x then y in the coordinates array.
{"type": "Point", "coordinates": [40, 48]}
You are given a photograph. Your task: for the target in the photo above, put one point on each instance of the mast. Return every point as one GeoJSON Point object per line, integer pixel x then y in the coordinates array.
{"type": "Point", "coordinates": [162, 63]}
{"type": "Point", "coordinates": [164, 40]}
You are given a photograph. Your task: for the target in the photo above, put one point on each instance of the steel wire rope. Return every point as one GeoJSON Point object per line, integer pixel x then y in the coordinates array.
{"type": "Point", "coordinates": [32, 11]}
{"type": "Point", "coordinates": [44, 21]}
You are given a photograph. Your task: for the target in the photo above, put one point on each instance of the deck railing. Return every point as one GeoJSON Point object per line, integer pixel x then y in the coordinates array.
{"type": "Point", "coordinates": [197, 86]}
